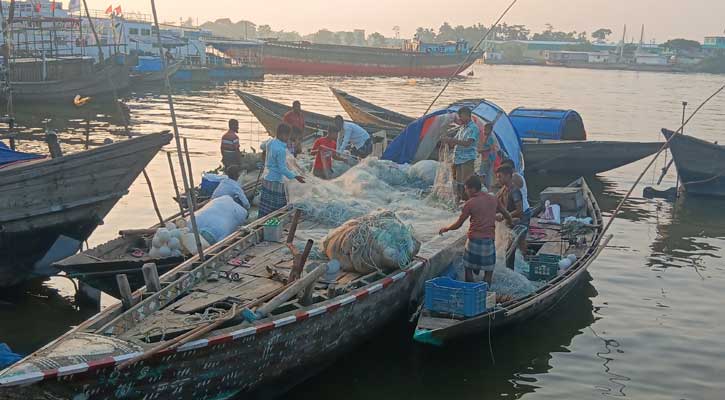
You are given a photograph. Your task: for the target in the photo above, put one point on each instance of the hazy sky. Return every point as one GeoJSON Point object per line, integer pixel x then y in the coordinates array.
{"type": "Point", "coordinates": [664, 19]}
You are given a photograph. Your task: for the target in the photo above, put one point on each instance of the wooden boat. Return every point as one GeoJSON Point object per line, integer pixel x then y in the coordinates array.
{"type": "Point", "coordinates": [98, 267]}
{"type": "Point", "coordinates": [541, 156]}
{"type": "Point", "coordinates": [49, 207]}
{"type": "Point", "coordinates": [236, 357]}
{"type": "Point", "coordinates": [438, 329]}
{"type": "Point", "coordinates": [100, 80]}
{"type": "Point", "coordinates": [270, 114]}
{"type": "Point", "coordinates": [700, 164]}
{"type": "Point", "coordinates": [154, 76]}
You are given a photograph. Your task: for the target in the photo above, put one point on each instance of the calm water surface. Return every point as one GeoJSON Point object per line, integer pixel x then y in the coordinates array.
{"type": "Point", "coordinates": [648, 324]}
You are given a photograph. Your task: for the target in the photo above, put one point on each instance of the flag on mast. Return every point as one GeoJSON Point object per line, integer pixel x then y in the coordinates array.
{"type": "Point", "coordinates": [118, 11]}
{"type": "Point", "coordinates": [109, 9]}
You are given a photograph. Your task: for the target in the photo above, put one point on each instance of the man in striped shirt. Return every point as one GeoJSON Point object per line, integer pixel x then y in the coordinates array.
{"type": "Point", "coordinates": [230, 145]}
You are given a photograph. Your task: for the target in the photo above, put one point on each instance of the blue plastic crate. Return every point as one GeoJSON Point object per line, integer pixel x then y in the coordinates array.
{"type": "Point", "coordinates": [448, 296]}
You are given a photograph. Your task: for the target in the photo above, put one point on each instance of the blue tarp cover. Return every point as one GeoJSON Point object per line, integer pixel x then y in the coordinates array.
{"type": "Point", "coordinates": [7, 357]}
{"type": "Point", "coordinates": [8, 156]}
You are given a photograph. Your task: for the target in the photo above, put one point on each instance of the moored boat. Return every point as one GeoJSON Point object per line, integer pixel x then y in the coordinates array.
{"type": "Point", "coordinates": [700, 164]}
{"type": "Point", "coordinates": [306, 58]}
{"type": "Point", "coordinates": [295, 338]}
{"type": "Point", "coordinates": [550, 244]}
{"type": "Point", "coordinates": [151, 75]}
{"type": "Point", "coordinates": [48, 207]}
{"type": "Point", "coordinates": [542, 155]}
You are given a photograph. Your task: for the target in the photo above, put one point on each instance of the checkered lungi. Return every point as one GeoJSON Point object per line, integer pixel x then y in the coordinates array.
{"type": "Point", "coordinates": [273, 197]}
{"type": "Point", "coordinates": [480, 255]}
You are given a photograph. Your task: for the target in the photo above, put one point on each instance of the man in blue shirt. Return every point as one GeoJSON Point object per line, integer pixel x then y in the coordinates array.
{"type": "Point", "coordinates": [465, 151]}
{"type": "Point", "coordinates": [361, 145]}
{"type": "Point", "coordinates": [274, 195]}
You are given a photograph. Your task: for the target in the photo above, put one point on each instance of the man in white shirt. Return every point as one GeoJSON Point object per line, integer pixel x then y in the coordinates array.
{"type": "Point", "coordinates": [229, 186]}
{"type": "Point", "coordinates": [353, 135]}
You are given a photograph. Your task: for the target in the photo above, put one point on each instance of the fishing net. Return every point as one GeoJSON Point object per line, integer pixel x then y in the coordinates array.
{"type": "Point", "coordinates": [443, 193]}
{"type": "Point", "coordinates": [378, 241]}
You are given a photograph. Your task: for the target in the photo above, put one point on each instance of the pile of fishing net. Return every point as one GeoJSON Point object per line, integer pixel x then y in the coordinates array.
{"type": "Point", "coordinates": [424, 172]}
{"type": "Point", "coordinates": [374, 242]}
{"type": "Point", "coordinates": [443, 193]}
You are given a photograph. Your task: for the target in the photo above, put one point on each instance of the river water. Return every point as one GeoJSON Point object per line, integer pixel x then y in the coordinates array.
{"type": "Point", "coordinates": [647, 324]}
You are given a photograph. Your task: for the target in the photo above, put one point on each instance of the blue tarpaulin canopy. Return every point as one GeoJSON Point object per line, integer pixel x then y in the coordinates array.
{"type": "Point", "coordinates": [8, 156]}
{"type": "Point", "coordinates": [548, 124]}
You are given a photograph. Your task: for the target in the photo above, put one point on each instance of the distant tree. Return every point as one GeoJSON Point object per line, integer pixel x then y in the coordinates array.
{"type": "Point", "coordinates": [425, 35]}
{"type": "Point", "coordinates": [396, 29]}
{"type": "Point", "coordinates": [682, 45]}
{"type": "Point", "coordinates": [445, 32]}
{"type": "Point", "coordinates": [376, 40]}
{"type": "Point", "coordinates": [265, 31]}
{"type": "Point", "coordinates": [323, 36]}
{"type": "Point", "coordinates": [601, 34]}
{"type": "Point", "coordinates": [347, 38]}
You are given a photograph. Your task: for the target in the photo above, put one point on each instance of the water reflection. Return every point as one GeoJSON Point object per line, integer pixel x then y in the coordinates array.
{"type": "Point", "coordinates": [391, 365]}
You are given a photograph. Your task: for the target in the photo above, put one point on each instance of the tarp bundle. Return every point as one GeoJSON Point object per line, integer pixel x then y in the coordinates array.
{"type": "Point", "coordinates": [8, 156]}
{"type": "Point", "coordinates": [378, 241]}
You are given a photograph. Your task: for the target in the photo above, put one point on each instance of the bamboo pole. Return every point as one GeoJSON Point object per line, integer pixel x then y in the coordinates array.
{"type": "Point", "coordinates": [153, 197]}
{"type": "Point", "coordinates": [7, 36]}
{"type": "Point", "coordinates": [176, 185]}
{"type": "Point", "coordinates": [95, 34]}
{"type": "Point", "coordinates": [177, 138]}
{"type": "Point", "coordinates": [191, 198]}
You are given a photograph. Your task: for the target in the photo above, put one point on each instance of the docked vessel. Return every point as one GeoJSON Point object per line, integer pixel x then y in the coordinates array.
{"type": "Point", "coordinates": [700, 164]}
{"type": "Point", "coordinates": [306, 58]}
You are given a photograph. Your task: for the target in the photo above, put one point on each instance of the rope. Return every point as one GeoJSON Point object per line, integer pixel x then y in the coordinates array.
{"type": "Point", "coordinates": [468, 57]}
{"type": "Point", "coordinates": [664, 146]}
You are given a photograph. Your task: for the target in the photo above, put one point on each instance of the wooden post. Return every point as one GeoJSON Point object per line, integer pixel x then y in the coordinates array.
{"type": "Point", "coordinates": [153, 197]}
{"type": "Point", "coordinates": [151, 277]}
{"type": "Point", "coordinates": [191, 200]}
{"type": "Point", "coordinates": [95, 34]}
{"type": "Point", "coordinates": [12, 143]}
{"type": "Point", "coordinates": [176, 185]}
{"type": "Point", "coordinates": [172, 111]}
{"type": "Point", "coordinates": [53, 146]}
{"type": "Point", "coordinates": [125, 288]}
{"type": "Point", "coordinates": [293, 227]}
{"type": "Point", "coordinates": [297, 287]}
{"type": "Point", "coordinates": [88, 130]}
{"type": "Point", "coordinates": [300, 263]}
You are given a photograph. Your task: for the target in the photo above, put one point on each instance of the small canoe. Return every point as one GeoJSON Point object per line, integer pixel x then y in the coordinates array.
{"type": "Point", "coordinates": [240, 356]}
{"type": "Point", "coordinates": [700, 164]}
{"type": "Point", "coordinates": [579, 158]}
{"type": "Point", "coordinates": [154, 76]}
{"type": "Point", "coordinates": [438, 329]}
{"type": "Point", "coordinates": [49, 207]}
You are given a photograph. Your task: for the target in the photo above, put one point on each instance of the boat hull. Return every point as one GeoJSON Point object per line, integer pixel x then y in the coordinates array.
{"type": "Point", "coordinates": [256, 360]}
{"type": "Point", "coordinates": [48, 208]}
{"type": "Point", "coordinates": [314, 59]}
{"type": "Point", "coordinates": [700, 164]}
{"type": "Point", "coordinates": [104, 81]}
{"type": "Point", "coordinates": [583, 157]}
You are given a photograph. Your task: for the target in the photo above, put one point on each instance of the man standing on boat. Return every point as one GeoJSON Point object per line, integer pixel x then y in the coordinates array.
{"type": "Point", "coordinates": [464, 152]}
{"type": "Point", "coordinates": [295, 119]}
{"type": "Point", "coordinates": [230, 145]}
{"type": "Point", "coordinates": [480, 250]}
{"type": "Point", "coordinates": [511, 197]}
{"type": "Point", "coordinates": [353, 135]}
{"type": "Point", "coordinates": [487, 150]}
{"type": "Point", "coordinates": [274, 195]}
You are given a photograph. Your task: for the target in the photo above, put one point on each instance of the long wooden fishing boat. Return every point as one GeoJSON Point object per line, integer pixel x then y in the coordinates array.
{"type": "Point", "coordinates": [545, 240]}
{"type": "Point", "coordinates": [190, 338]}
{"type": "Point", "coordinates": [270, 114]}
{"type": "Point", "coordinates": [700, 164]}
{"type": "Point", "coordinates": [48, 207]}
{"type": "Point", "coordinates": [541, 156]}
{"type": "Point", "coordinates": [154, 76]}
{"type": "Point", "coordinates": [104, 79]}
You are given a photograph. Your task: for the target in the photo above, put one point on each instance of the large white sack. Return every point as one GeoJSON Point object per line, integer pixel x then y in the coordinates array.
{"type": "Point", "coordinates": [219, 218]}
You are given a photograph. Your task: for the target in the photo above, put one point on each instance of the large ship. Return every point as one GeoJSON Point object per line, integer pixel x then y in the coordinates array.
{"type": "Point", "coordinates": [414, 59]}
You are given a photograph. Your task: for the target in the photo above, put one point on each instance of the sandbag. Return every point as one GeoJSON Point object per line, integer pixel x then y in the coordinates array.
{"type": "Point", "coordinates": [378, 241]}
{"type": "Point", "coordinates": [219, 218]}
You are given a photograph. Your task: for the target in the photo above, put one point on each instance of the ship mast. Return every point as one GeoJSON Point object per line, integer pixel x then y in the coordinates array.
{"type": "Point", "coordinates": [7, 39]}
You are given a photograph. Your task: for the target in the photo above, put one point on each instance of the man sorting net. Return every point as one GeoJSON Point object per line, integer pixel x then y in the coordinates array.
{"type": "Point", "coordinates": [480, 250]}
{"type": "Point", "coordinates": [465, 151]}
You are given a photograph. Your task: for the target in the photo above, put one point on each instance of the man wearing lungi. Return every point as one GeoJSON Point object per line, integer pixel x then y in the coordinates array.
{"type": "Point", "coordinates": [274, 195]}
{"type": "Point", "coordinates": [480, 250]}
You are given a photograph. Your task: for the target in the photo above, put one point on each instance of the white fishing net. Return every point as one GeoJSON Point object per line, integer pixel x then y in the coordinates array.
{"type": "Point", "coordinates": [443, 193]}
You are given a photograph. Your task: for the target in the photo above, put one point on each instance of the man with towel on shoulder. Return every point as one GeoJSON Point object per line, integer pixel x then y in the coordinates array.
{"type": "Point", "coordinates": [274, 195]}
{"type": "Point", "coordinates": [465, 151]}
